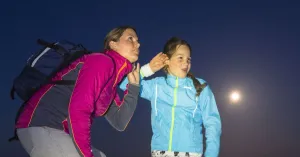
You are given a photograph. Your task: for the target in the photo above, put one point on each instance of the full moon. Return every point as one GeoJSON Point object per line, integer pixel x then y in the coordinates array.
{"type": "Point", "coordinates": [235, 96]}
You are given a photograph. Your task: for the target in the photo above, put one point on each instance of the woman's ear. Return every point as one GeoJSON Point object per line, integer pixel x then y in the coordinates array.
{"type": "Point", "coordinates": [113, 45]}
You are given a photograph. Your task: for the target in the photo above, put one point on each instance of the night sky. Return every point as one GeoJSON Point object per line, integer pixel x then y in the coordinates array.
{"type": "Point", "coordinates": [251, 46]}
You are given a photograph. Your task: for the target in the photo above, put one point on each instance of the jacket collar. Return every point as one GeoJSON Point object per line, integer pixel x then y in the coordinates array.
{"type": "Point", "coordinates": [123, 65]}
{"type": "Point", "coordinates": [175, 81]}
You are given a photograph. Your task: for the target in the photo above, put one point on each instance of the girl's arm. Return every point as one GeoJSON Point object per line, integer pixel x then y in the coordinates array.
{"type": "Point", "coordinates": [212, 122]}
{"type": "Point", "coordinates": [147, 86]}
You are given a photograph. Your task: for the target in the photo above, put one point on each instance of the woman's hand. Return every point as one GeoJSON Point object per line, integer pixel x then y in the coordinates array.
{"type": "Point", "coordinates": [134, 76]}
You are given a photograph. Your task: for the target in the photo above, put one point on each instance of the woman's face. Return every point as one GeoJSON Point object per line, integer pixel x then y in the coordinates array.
{"type": "Point", "coordinates": [127, 46]}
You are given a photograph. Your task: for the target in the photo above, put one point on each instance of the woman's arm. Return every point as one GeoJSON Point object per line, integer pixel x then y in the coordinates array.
{"type": "Point", "coordinates": [119, 116]}
{"type": "Point", "coordinates": [147, 86]}
{"type": "Point", "coordinates": [90, 82]}
{"type": "Point", "coordinates": [120, 112]}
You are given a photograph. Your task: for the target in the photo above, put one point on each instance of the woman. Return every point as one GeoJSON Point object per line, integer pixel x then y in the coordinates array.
{"type": "Point", "coordinates": [57, 120]}
{"type": "Point", "coordinates": [180, 105]}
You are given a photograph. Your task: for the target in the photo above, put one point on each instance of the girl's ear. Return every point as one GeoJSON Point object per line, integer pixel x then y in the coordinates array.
{"type": "Point", "coordinates": [167, 62]}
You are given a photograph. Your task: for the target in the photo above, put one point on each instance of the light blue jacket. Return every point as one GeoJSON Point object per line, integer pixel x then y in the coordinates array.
{"type": "Point", "coordinates": [177, 115]}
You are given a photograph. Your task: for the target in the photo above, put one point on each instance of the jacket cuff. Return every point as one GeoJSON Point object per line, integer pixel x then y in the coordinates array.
{"type": "Point", "coordinates": [146, 70]}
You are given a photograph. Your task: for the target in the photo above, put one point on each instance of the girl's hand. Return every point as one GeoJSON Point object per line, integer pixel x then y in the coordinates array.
{"type": "Point", "coordinates": [158, 62]}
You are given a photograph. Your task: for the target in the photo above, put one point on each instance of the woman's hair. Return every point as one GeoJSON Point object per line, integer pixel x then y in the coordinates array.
{"type": "Point", "coordinates": [170, 48]}
{"type": "Point", "coordinates": [115, 35]}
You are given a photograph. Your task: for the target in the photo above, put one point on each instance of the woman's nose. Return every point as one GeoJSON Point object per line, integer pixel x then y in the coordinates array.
{"type": "Point", "coordinates": [137, 44]}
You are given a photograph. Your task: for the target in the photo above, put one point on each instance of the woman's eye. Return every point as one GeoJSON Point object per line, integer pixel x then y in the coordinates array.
{"type": "Point", "coordinates": [130, 38]}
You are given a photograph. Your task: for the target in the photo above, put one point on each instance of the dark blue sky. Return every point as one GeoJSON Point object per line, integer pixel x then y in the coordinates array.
{"type": "Point", "coordinates": [252, 46]}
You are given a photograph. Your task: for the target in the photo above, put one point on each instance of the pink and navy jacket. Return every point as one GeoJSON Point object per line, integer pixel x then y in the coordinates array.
{"type": "Point", "coordinates": [72, 108]}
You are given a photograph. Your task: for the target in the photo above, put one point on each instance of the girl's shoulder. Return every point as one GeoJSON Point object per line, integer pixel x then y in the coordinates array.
{"type": "Point", "coordinates": [158, 79]}
{"type": "Point", "coordinates": [202, 81]}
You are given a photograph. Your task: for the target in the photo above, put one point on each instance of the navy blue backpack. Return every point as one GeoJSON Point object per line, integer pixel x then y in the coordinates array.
{"type": "Point", "coordinates": [44, 64]}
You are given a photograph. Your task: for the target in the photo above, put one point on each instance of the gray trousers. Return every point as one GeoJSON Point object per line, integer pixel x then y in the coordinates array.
{"type": "Point", "coordinates": [49, 142]}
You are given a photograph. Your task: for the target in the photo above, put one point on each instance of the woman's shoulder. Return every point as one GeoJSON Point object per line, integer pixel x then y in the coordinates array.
{"type": "Point", "coordinates": [99, 58]}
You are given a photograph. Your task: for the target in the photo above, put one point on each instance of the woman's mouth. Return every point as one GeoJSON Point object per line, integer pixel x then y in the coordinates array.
{"type": "Point", "coordinates": [136, 52]}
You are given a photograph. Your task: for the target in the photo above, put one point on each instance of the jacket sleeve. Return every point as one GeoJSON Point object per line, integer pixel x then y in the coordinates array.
{"type": "Point", "coordinates": [212, 122]}
{"type": "Point", "coordinates": [147, 87]}
{"type": "Point", "coordinates": [120, 112]}
{"type": "Point", "coordinates": [90, 82]}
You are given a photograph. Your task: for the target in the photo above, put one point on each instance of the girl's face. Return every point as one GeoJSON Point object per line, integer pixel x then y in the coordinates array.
{"type": "Point", "coordinates": [180, 62]}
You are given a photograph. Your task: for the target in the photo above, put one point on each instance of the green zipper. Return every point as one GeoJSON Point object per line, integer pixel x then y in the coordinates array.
{"type": "Point", "coordinates": [173, 115]}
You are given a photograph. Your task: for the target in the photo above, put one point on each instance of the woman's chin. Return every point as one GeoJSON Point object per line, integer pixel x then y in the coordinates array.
{"type": "Point", "coordinates": [133, 58]}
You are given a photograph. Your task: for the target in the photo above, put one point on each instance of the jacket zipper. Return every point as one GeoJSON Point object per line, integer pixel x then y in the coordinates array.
{"type": "Point", "coordinates": [173, 115]}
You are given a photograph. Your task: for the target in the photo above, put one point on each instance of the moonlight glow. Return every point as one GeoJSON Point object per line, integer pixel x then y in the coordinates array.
{"type": "Point", "coordinates": [235, 96]}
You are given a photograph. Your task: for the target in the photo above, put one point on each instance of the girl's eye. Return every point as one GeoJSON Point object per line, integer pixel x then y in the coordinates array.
{"type": "Point", "coordinates": [130, 38]}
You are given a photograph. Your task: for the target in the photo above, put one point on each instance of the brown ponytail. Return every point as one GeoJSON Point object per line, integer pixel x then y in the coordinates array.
{"type": "Point", "coordinates": [199, 87]}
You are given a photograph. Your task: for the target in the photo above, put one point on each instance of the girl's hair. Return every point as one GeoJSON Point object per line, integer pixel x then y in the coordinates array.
{"type": "Point", "coordinates": [170, 48]}
{"type": "Point", "coordinates": [115, 35]}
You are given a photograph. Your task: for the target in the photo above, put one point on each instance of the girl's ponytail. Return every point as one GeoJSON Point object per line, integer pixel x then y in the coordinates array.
{"type": "Point", "coordinates": [199, 87]}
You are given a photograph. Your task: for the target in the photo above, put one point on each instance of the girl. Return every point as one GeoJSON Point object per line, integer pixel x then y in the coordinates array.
{"type": "Point", "coordinates": [57, 120]}
{"type": "Point", "coordinates": [180, 105]}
